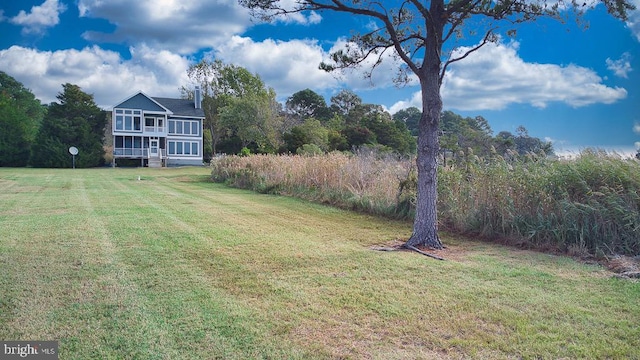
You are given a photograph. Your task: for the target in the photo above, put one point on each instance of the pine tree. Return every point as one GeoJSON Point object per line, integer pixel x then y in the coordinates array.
{"type": "Point", "coordinates": [74, 121]}
{"type": "Point", "coordinates": [20, 117]}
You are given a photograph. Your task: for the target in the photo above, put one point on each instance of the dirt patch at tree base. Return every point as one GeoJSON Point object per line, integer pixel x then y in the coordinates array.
{"type": "Point", "coordinates": [626, 267]}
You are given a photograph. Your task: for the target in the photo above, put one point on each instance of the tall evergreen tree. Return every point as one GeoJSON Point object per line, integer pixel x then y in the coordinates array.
{"type": "Point", "coordinates": [73, 121]}
{"type": "Point", "coordinates": [20, 117]}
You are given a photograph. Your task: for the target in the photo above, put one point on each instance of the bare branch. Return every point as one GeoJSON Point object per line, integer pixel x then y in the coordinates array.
{"type": "Point", "coordinates": [457, 16]}
{"type": "Point", "coordinates": [488, 37]}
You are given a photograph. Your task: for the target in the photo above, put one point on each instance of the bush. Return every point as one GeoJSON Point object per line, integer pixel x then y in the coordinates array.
{"type": "Point", "coordinates": [309, 150]}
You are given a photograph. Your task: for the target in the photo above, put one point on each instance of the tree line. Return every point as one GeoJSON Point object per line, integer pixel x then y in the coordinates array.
{"type": "Point", "coordinates": [41, 135]}
{"type": "Point", "coordinates": [242, 116]}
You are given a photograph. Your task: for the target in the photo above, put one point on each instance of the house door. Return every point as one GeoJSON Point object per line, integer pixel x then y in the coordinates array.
{"type": "Point", "coordinates": [153, 148]}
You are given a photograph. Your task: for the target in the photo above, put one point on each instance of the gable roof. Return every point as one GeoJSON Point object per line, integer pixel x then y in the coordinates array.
{"type": "Point", "coordinates": [180, 107]}
{"type": "Point", "coordinates": [177, 107]}
{"type": "Point", "coordinates": [142, 101]}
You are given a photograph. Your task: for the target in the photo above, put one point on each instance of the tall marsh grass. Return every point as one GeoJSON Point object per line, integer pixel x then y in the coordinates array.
{"type": "Point", "coordinates": [363, 182]}
{"type": "Point", "coordinates": [587, 205]}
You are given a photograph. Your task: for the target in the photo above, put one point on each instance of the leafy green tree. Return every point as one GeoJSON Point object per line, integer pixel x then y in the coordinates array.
{"type": "Point", "coordinates": [389, 133]}
{"type": "Point", "coordinates": [316, 133]}
{"type": "Point", "coordinates": [344, 102]}
{"type": "Point", "coordinates": [312, 132]}
{"type": "Point", "coordinates": [252, 119]}
{"type": "Point", "coordinates": [73, 121]}
{"type": "Point", "coordinates": [309, 150]}
{"type": "Point", "coordinates": [459, 133]}
{"type": "Point", "coordinates": [416, 32]}
{"type": "Point", "coordinates": [294, 139]}
{"type": "Point", "coordinates": [360, 112]}
{"type": "Point", "coordinates": [205, 75]}
{"type": "Point", "coordinates": [358, 135]}
{"type": "Point", "coordinates": [410, 117]}
{"type": "Point", "coordinates": [336, 140]}
{"type": "Point", "coordinates": [231, 87]}
{"type": "Point", "coordinates": [20, 118]}
{"type": "Point", "coordinates": [522, 143]}
{"type": "Point", "coordinates": [307, 104]}
{"type": "Point", "coordinates": [503, 142]}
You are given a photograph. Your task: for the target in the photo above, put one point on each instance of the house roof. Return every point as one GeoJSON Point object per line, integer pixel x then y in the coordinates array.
{"type": "Point", "coordinates": [180, 107]}
{"type": "Point", "coordinates": [142, 101]}
{"type": "Point", "coordinates": [176, 107]}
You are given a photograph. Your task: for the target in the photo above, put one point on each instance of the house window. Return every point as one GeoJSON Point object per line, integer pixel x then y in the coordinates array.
{"type": "Point", "coordinates": [128, 120]}
{"type": "Point", "coordinates": [190, 148]}
{"type": "Point", "coordinates": [184, 127]}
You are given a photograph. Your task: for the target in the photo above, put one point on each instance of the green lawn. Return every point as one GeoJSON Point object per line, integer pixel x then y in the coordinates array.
{"type": "Point", "coordinates": [174, 267]}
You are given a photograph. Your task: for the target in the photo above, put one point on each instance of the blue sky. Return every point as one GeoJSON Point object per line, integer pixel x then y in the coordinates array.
{"type": "Point", "coordinates": [574, 86]}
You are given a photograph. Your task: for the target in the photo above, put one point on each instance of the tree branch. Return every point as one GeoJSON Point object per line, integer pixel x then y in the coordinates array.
{"type": "Point", "coordinates": [488, 37]}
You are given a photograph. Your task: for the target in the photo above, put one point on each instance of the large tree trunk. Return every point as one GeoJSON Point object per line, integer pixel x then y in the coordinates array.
{"type": "Point", "coordinates": [425, 225]}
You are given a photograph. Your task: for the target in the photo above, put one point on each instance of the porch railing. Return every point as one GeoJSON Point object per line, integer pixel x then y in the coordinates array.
{"type": "Point", "coordinates": [137, 152]}
{"type": "Point", "coordinates": [155, 129]}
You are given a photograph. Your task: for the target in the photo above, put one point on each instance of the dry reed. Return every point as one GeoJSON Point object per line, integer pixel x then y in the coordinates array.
{"type": "Point", "coordinates": [589, 205]}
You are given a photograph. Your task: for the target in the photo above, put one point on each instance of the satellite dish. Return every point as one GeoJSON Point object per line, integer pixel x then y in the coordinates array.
{"type": "Point", "coordinates": [73, 150]}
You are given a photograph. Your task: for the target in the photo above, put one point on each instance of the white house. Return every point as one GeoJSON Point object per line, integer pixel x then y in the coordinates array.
{"type": "Point", "coordinates": [158, 131]}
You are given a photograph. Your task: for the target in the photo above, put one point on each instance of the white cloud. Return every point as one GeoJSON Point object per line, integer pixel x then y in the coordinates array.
{"type": "Point", "coordinates": [636, 128]}
{"type": "Point", "coordinates": [99, 72]}
{"type": "Point", "coordinates": [299, 18]}
{"type": "Point", "coordinates": [291, 66]}
{"type": "Point", "coordinates": [620, 67]}
{"type": "Point", "coordinates": [40, 17]}
{"type": "Point", "coordinates": [495, 76]}
{"type": "Point", "coordinates": [637, 144]}
{"type": "Point", "coordinates": [179, 26]}
{"type": "Point", "coordinates": [287, 66]}
{"type": "Point", "coordinates": [415, 101]}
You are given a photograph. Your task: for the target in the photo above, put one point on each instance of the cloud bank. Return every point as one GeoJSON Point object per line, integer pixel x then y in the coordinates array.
{"type": "Point", "coordinates": [495, 77]}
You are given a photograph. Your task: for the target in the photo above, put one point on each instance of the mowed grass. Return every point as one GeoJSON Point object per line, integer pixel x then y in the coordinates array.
{"type": "Point", "coordinates": [174, 267]}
